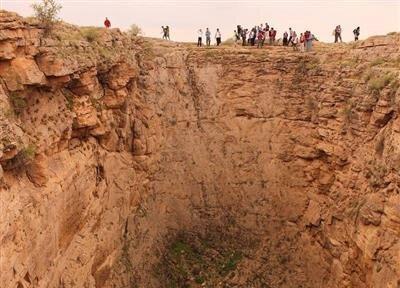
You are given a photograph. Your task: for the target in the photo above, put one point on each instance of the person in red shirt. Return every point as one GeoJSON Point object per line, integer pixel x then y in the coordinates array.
{"type": "Point", "coordinates": [107, 23]}
{"type": "Point", "coordinates": [272, 36]}
{"type": "Point", "coordinates": [260, 38]}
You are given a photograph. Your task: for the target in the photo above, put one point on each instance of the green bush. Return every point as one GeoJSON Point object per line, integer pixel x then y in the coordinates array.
{"type": "Point", "coordinates": [47, 12]}
{"type": "Point", "coordinates": [377, 83]}
{"type": "Point", "coordinates": [91, 34]}
{"type": "Point", "coordinates": [23, 158]}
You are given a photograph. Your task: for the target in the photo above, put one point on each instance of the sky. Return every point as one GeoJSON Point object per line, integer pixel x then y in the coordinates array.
{"type": "Point", "coordinates": [185, 17]}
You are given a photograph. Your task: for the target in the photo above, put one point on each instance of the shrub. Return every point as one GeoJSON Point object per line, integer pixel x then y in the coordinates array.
{"type": "Point", "coordinates": [376, 84]}
{"type": "Point", "coordinates": [23, 158]}
{"type": "Point", "coordinates": [91, 34]}
{"type": "Point", "coordinates": [18, 102]}
{"type": "Point", "coordinates": [135, 30]}
{"type": "Point", "coordinates": [348, 113]}
{"type": "Point", "coordinates": [378, 61]}
{"type": "Point", "coordinates": [229, 41]}
{"type": "Point", "coordinates": [47, 12]}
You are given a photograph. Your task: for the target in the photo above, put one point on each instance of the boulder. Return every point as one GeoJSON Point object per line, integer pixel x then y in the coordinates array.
{"type": "Point", "coordinates": [37, 171]}
{"type": "Point", "coordinates": [313, 214]}
{"type": "Point", "coordinates": [21, 71]}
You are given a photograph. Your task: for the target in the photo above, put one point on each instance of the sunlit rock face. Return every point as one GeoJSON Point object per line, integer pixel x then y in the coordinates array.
{"type": "Point", "coordinates": [132, 162]}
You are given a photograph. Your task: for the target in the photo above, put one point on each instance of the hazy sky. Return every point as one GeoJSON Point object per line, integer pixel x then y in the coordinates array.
{"type": "Point", "coordinates": [186, 16]}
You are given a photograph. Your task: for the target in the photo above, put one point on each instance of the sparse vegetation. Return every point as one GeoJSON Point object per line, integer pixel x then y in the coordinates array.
{"type": "Point", "coordinates": [23, 158]}
{"type": "Point", "coordinates": [18, 102]}
{"type": "Point", "coordinates": [348, 113]}
{"type": "Point", "coordinates": [91, 34]}
{"type": "Point", "coordinates": [135, 30]}
{"type": "Point", "coordinates": [351, 62]}
{"type": "Point", "coordinates": [190, 260]}
{"type": "Point", "coordinates": [378, 62]}
{"type": "Point", "coordinates": [379, 81]}
{"type": "Point", "coordinates": [375, 172]}
{"type": "Point", "coordinates": [355, 207]}
{"type": "Point", "coordinates": [229, 41]}
{"type": "Point", "coordinates": [47, 12]}
{"type": "Point", "coordinates": [303, 68]}
{"type": "Point", "coordinates": [147, 51]}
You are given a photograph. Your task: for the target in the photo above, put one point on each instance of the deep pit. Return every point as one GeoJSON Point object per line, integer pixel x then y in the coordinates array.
{"type": "Point", "coordinates": [132, 162]}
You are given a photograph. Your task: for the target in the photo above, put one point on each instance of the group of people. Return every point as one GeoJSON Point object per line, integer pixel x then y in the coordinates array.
{"type": "Point", "coordinates": [338, 33]}
{"type": "Point", "coordinates": [165, 32]}
{"type": "Point", "coordinates": [208, 37]}
{"type": "Point", "coordinates": [303, 42]}
{"type": "Point", "coordinates": [259, 34]}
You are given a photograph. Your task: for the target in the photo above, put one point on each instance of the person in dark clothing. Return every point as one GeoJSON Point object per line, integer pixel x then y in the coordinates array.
{"type": "Point", "coordinates": [218, 37]}
{"type": "Point", "coordinates": [356, 33]}
{"type": "Point", "coordinates": [164, 31]}
{"type": "Point", "coordinates": [239, 29]}
{"type": "Point", "coordinates": [107, 23]}
{"type": "Point", "coordinates": [167, 30]}
{"type": "Point", "coordinates": [244, 36]}
{"type": "Point", "coordinates": [285, 39]}
{"type": "Point", "coordinates": [253, 39]}
{"type": "Point", "coordinates": [237, 35]}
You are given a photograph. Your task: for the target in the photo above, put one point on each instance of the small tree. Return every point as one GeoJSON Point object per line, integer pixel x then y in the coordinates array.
{"type": "Point", "coordinates": [135, 30]}
{"type": "Point", "coordinates": [47, 12]}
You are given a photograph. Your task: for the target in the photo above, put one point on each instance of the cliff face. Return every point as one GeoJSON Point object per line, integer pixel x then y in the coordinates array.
{"type": "Point", "coordinates": [115, 150]}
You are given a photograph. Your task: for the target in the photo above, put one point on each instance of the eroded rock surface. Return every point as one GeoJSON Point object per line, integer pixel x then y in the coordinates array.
{"type": "Point", "coordinates": [112, 149]}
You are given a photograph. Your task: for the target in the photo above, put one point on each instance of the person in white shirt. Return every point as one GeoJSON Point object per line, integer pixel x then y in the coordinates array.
{"type": "Point", "coordinates": [200, 38]}
{"type": "Point", "coordinates": [290, 35]}
{"type": "Point", "coordinates": [218, 37]}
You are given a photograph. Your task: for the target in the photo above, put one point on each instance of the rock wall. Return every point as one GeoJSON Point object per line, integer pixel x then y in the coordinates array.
{"type": "Point", "coordinates": [111, 146]}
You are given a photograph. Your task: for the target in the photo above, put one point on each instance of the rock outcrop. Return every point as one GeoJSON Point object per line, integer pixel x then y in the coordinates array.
{"type": "Point", "coordinates": [113, 147]}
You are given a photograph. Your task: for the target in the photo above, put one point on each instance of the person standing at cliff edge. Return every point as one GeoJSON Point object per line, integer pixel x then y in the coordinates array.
{"type": "Point", "coordinates": [290, 35]}
{"type": "Point", "coordinates": [107, 23]}
{"type": "Point", "coordinates": [338, 34]}
{"type": "Point", "coordinates": [218, 37]}
{"type": "Point", "coordinates": [356, 33]}
{"type": "Point", "coordinates": [285, 39]}
{"type": "Point", "coordinates": [199, 38]}
{"type": "Point", "coordinates": [260, 38]}
{"type": "Point", "coordinates": [164, 32]}
{"type": "Point", "coordinates": [244, 36]}
{"type": "Point", "coordinates": [302, 42]}
{"type": "Point", "coordinates": [208, 37]}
